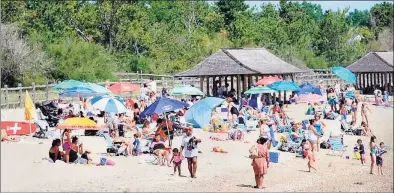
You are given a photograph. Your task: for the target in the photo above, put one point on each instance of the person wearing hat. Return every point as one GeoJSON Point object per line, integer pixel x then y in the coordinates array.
{"type": "Point", "coordinates": [190, 145]}
{"type": "Point", "coordinates": [295, 126]}
{"type": "Point", "coordinates": [265, 131]}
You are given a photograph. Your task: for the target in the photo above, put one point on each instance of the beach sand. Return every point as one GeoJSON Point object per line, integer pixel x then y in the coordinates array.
{"type": "Point", "coordinates": [23, 168]}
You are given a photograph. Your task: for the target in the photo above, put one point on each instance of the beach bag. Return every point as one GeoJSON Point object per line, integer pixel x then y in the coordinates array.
{"type": "Point", "coordinates": [103, 161]}
{"type": "Point", "coordinates": [255, 153]}
{"type": "Point", "coordinates": [324, 145]}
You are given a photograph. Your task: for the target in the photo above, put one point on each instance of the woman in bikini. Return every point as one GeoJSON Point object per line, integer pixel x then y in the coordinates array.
{"type": "Point", "coordinates": [66, 141]}
{"type": "Point", "coordinates": [354, 107]}
{"type": "Point", "coordinates": [364, 117]}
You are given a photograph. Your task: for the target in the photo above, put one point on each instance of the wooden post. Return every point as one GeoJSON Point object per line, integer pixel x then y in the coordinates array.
{"type": "Point", "coordinates": [33, 91]}
{"type": "Point", "coordinates": [249, 81]}
{"type": "Point", "coordinates": [225, 80]}
{"type": "Point", "coordinates": [220, 81]}
{"type": "Point", "coordinates": [208, 86]}
{"type": "Point", "coordinates": [6, 97]}
{"type": "Point", "coordinates": [202, 83]}
{"type": "Point", "coordinates": [47, 91]}
{"type": "Point", "coordinates": [232, 81]}
{"type": "Point", "coordinates": [238, 85]}
{"type": "Point", "coordinates": [20, 94]}
{"type": "Point", "coordinates": [244, 83]}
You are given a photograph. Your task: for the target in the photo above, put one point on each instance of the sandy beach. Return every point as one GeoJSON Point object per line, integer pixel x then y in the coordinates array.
{"type": "Point", "coordinates": [23, 167]}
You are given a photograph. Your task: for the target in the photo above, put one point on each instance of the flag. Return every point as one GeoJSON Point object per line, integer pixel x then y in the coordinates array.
{"type": "Point", "coordinates": [29, 107]}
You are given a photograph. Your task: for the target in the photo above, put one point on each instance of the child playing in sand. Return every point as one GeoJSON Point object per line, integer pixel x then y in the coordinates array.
{"type": "Point", "coordinates": [310, 156]}
{"type": "Point", "coordinates": [361, 151]}
{"type": "Point", "coordinates": [177, 160]}
{"type": "Point", "coordinates": [379, 159]}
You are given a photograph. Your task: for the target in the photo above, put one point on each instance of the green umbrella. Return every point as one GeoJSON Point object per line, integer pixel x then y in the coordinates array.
{"type": "Point", "coordinates": [186, 90]}
{"type": "Point", "coordinates": [259, 89]}
{"type": "Point", "coordinates": [67, 84]}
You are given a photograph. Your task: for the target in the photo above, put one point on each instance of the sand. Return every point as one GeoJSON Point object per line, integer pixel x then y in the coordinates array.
{"type": "Point", "coordinates": [23, 167]}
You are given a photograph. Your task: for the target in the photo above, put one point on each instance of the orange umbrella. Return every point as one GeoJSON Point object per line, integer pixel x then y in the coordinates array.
{"type": "Point", "coordinates": [267, 80]}
{"type": "Point", "coordinates": [123, 87]}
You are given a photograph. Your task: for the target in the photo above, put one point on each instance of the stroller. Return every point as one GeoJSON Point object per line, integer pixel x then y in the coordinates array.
{"type": "Point", "coordinates": [50, 110]}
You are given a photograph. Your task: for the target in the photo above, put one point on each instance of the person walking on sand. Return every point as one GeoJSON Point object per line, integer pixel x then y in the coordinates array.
{"type": "Point", "coordinates": [259, 154]}
{"type": "Point", "coordinates": [373, 151]}
{"type": "Point", "coordinates": [364, 117]}
{"type": "Point", "coordinates": [313, 135]}
{"type": "Point", "coordinates": [189, 143]}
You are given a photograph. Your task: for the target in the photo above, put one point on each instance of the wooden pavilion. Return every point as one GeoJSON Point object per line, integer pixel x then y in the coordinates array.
{"type": "Point", "coordinates": [374, 69]}
{"type": "Point", "coordinates": [239, 68]}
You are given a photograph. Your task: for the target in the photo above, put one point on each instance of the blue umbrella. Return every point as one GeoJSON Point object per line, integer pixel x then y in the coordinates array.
{"type": "Point", "coordinates": [67, 84]}
{"type": "Point", "coordinates": [307, 88]}
{"type": "Point", "coordinates": [350, 95]}
{"type": "Point", "coordinates": [344, 74]}
{"type": "Point", "coordinates": [78, 91]}
{"type": "Point", "coordinates": [163, 105]}
{"type": "Point", "coordinates": [284, 85]}
{"type": "Point", "coordinates": [97, 88]}
{"type": "Point", "coordinates": [200, 113]}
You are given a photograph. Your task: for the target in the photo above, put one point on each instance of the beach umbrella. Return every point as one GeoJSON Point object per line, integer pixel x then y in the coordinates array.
{"type": "Point", "coordinates": [121, 87]}
{"type": "Point", "coordinates": [307, 88]}
{"type": "Point", "coordinates": [200, 113]}
{"type": "Point", "coordinates": [78, 91]}
{"type": "Point", "coordinates": [67, 84]}
{"type": "Point", "coordinates": [267, 80]}
{"type": "Point", "coordinates": [284, 85]}
{"type": "Point", "coordinates": [163, 105]}
{"type": "Point", "coordinates": [311, 98]}
{"type": "Point", "coordinates": [186, 90]}
{"type": "Point", "coordinates": [344, 74]}
{"type": "Point", "coordinates": [29, 109]}
{"type": "Point", "coordinates": [78, 123]}
{"type": "Point", "coordinates": [108, 104]}
{"type": "Point", "coordinates": [97, 88]}
{"type": "Point", "coordinates": [259, 89]}
{"type": "Point", "coordinates": [350, 95]}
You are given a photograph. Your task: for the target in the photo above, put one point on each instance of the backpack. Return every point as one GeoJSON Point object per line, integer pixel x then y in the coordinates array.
{"type": "Point", "coordinates": [325, 145]}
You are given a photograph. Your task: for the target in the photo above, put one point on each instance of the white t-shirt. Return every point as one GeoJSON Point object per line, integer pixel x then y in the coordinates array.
{"type": "Point", "coordinates": [189, 153]}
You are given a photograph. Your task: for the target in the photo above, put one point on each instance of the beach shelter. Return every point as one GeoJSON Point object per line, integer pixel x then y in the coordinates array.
{"type": "Point", "coordinates": [344, 74]}
{"type": "Point", "coordinates": [268, 80]}
{"type": "Point", "coordinates": [307, 88]}
{"type": "Point", "coordinates": [163, 105]}
{"type": "Point", "coordinates": [108, 104]}
{"type": "Point", "coordinates": [186, 90]}
{"type": "Point", "coordinates": [29, 109]}
{"type": "Point", "coordinates": [67, 84]}
{"type": "Point", "coordinates": [122, 87]}
{"type": "Point", "coordinates": [78, 123]}
{"type": "Point", "coordinates": [311, 98]}
{"type": "Point", "coordinates": [259, 89]}
{"type": "Point", "coordinates": [284, 85]}
{"type": "Point", "coordinates": [199, 115]}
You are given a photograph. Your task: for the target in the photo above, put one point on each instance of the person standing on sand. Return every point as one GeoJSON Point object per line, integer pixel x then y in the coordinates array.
{"type": "Point", "coordinates": [190, 141]}
{"type": "Point", "coordinates": [259, 154]}
{"type": "Point", "coordinates": [373, 151]}
{"type": "Point", "coordinates": [364, 117]}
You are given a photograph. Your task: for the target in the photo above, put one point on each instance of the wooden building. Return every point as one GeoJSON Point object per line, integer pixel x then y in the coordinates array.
{"type": "Point", "coordinates": [238, 68]}
{"type": "Point", "coordinates": [374, 69]}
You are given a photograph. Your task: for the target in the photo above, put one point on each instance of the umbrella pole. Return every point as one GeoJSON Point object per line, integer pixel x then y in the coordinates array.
{"type": "Point", "coordinates": [168, 130]}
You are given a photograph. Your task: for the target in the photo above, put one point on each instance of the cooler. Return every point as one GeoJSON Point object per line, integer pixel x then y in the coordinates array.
{"type": "Point", "coordinates": [274, 156]}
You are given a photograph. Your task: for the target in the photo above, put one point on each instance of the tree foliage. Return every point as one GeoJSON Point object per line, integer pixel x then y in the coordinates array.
{"type": "Point", "coordinates": [89, 40]}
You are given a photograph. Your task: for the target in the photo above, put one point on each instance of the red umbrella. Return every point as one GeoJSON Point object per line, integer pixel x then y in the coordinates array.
{"type": "Point", "coordinates": [267, 80]}
{"type": "Point", "coordinates": [123, 87]}
{"type": "Point", "coordinates": [311, 98]}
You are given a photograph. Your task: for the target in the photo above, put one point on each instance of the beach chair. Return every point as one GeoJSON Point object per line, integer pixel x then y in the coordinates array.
{"type": "Point", "coordinates": [290, 145]}
{"type": "Point", "coordinates": [266, 109]}
{"type": "Point", "coordinates": [112, 148]}
{"type": "Point", "coordinates": [345, 127]}
{"type": "Point", "coordinates": [337, 147]}
{"type": "Point", "coordinates": [155, 157]}
{"type": "Point", "coordinates": [280, 127]}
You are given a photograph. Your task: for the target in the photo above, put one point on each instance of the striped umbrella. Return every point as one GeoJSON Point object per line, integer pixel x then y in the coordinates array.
{"type": "Point", "coordinates": [108, 104]}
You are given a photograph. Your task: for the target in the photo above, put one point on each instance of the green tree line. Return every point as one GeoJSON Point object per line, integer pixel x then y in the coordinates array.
{"type": "Point", "coordinates": [89, 40]}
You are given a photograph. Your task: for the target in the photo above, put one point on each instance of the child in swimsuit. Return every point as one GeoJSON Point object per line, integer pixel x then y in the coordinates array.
{"type": "Point", "coordinates": [373, 150]}
{"type": "Point", "coordinates": [379, 159]}
{"type": "Point", "coordinates": [361, 151]}
{"type": "Point", "coordinates": [177, 160]}
{"type": "Point", "coordinates": [310, 156]}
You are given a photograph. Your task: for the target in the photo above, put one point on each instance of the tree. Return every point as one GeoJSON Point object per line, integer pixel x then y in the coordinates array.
{"type": "Point", "coordinates": [230, 8]}
{"type": "Point", "coordinates": [359, 18]}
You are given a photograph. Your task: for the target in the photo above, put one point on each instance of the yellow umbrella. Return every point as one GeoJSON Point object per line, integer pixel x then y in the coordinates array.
{"type": "Point", "coordinates": [78, 123]}
{"type": "Point", "coordinates": [29, 107]}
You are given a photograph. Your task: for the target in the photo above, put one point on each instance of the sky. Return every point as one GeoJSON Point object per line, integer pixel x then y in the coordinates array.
{"type": "Point", "coordinates": [326, 5]}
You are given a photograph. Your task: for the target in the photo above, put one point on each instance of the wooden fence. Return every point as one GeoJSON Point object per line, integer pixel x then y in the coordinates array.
{"type": "Point", "coordinates": [14, 97]}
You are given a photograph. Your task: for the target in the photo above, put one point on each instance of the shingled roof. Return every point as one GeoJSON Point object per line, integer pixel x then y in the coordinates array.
{"type": "Point", "coordinates": [241, 61]}
{"type": "Point", "coordinates": [373, 62]}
